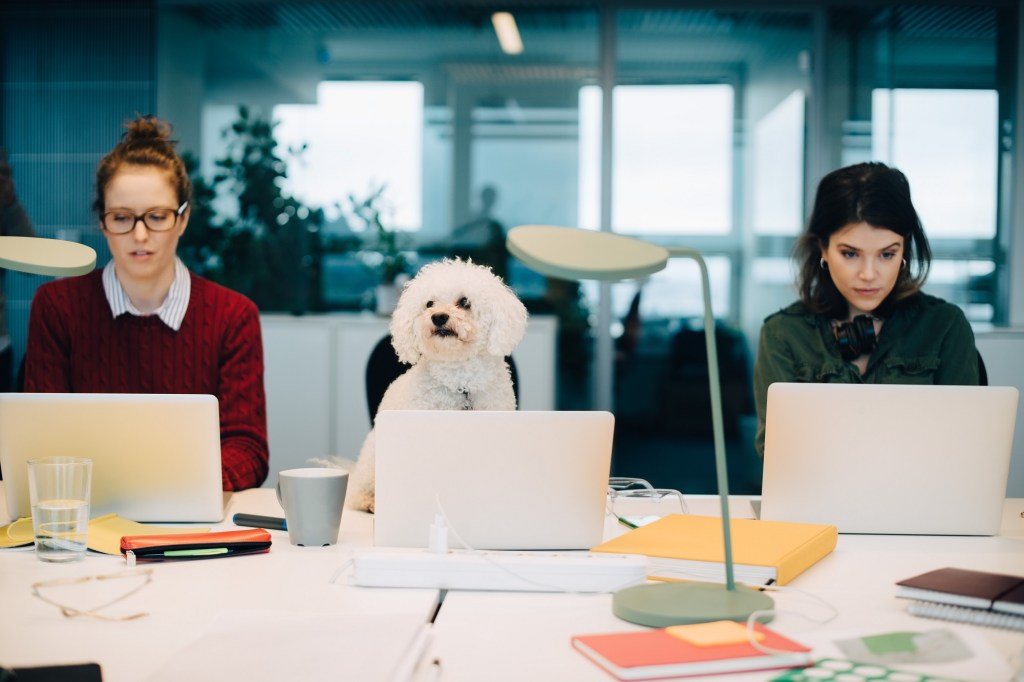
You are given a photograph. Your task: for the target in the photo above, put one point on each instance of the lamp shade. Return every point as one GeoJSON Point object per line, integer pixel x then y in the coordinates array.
{"type": "Point", "coordinates": [40, 256]}
{"type": "Point", "coordinates": [571, 253]}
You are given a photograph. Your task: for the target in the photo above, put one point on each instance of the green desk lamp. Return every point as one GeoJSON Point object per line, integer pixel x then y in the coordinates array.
{"type": "Point", "coordinates": [574, 254]}
{"type": "Point", "coordinates": [40, 256]}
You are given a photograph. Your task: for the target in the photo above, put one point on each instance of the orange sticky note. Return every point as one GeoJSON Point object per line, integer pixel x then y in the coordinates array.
{"type": "Point", "coordinates": [717, 633]}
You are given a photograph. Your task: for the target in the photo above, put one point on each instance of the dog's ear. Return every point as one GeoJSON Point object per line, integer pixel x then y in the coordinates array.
{"type": "Point", "coordinates": [507, 320]}
{"type": "Point", "coordinates": [403, 325]}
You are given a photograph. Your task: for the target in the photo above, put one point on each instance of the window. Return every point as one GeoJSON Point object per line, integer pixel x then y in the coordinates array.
{"type": "Point", "coordinates": [671, 158]}
{"type": "Point", "coordinates": [945, 141]}
{"type": "Point", "coordinates": [778, 168]}
{"type": "Point", "coordinates": [362, 135]}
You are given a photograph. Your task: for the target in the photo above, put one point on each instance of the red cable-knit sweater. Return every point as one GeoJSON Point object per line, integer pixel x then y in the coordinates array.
{"type": "Point", "coordinates": [76, 346]}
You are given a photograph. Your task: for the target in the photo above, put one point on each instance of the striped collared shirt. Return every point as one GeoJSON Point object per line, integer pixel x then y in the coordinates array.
{"type": "Point", "coordinates": [171, 311]}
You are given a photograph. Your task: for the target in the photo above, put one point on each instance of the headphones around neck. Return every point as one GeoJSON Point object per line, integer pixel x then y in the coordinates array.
{"type": "Point", "coordinates": [856, 337]}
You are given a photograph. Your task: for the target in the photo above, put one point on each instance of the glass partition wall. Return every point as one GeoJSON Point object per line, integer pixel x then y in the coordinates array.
{"type": "Point", "coordinates": [718, 125]}
{"type": "Point", "coordinates": [708, 150]}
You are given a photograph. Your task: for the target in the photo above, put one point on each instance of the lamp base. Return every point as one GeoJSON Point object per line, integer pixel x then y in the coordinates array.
{"type": "Point", "coordinates": [663, 604]}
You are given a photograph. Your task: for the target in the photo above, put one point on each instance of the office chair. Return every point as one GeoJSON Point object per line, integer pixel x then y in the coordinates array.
{"type": "Point", "coordinates": [982, 372]}
{"type": "Point", "coordinates": [383, 367]}
{"type": "Point", "coordinates": [19, 377]}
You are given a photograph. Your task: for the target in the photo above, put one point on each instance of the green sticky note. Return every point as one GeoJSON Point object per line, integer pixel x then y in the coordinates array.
{"type": "Point", "coordinates": [891, 643]}
{"type": "Point", "coordinates": [196, 552]}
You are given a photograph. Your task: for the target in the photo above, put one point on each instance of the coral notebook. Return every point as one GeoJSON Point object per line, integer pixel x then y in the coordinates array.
{"type": "Point", "coordinates": [679, 651]}
{"type": "Point", "coordinates": [688, 547]}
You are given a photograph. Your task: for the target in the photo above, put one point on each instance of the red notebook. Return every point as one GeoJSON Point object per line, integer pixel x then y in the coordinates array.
{"type": "Point", "coordinates": [654, 654]}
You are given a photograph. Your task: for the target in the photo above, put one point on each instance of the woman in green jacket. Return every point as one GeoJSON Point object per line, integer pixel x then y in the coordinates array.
{"type": "Point", "coordinates": [862, 317]}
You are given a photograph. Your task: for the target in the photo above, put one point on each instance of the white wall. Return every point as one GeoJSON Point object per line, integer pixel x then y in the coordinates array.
{"type": "Point", "coordinates": [315, 368]}
{"type": "Point", "coordinates": [1003, 353]}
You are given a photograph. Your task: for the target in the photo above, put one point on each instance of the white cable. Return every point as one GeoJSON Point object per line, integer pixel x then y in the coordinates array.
{"type": "Point", "coordinates": [833, 613]}
{"type": "Point", "coordinates": [1016, 662]}
{"type": "Point", "coordinates": [487, 556]}
{"type": "Point", "coordinates": [341, 569]}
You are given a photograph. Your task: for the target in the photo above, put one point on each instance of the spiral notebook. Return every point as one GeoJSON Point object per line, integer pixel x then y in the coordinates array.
{"type": "Point", "coordinates": [966, 596]}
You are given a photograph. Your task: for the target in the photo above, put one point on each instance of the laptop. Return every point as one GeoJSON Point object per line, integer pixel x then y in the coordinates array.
{"type": "Point", "coordinates": [886, 458]}
{"type": "Point", "coordinates": [529, 480]}
{"type": "Point", "coordinates": [156, 457]}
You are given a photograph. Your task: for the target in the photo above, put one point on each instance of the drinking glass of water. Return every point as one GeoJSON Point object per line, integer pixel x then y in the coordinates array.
{"type": "Point", "coordinates": [59, 491]}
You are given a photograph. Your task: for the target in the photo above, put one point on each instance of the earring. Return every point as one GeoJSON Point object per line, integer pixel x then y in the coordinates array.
{"type": "Point", "coordinates": [904, 263]}
{"type": "Point", "coordinates": [822, 263]}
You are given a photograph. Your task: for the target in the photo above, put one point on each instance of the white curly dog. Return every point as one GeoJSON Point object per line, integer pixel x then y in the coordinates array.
{"type": "Point", "coordinates": [454, 323]}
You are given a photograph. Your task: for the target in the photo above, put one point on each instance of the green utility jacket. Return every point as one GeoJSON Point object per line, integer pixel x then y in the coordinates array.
{"type": "Point", "coordinates": [925, 341]}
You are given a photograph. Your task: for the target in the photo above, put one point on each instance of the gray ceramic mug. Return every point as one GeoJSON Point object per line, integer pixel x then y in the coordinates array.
{"type": "Point", "coordinates": [312, 499]}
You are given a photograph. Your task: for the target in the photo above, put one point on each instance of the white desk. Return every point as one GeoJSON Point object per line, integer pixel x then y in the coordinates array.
{"type": "Point", "coordinates": [185, 598]}
{"type": "Point", "coordinates": [527, 636]}
{"type": "Point", "coordinates": [477, 635]}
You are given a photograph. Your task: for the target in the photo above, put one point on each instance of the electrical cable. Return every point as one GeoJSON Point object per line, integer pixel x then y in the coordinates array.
{"type": "Point", "coordinates": [487, 556]}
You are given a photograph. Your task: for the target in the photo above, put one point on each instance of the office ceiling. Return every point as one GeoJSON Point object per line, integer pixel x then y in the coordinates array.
{"type": "Point", "coordinates": [975, 21]}
{"type": "Point", "coordinates": [288, 46]}
{"type": "Point", "coordinates": [328, 16]}
{"type": "Point", "coordinates": [913, 21]}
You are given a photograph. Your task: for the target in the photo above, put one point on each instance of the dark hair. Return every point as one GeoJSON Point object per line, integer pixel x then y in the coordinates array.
{"type": "Point", "coordinates": [871, 193]}
{"type": "Point", "coordinates": [146, 142]}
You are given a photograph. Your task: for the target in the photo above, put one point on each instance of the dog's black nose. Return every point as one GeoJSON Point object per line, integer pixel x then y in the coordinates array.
{"type": "Point", "coordinates": [440, 319]}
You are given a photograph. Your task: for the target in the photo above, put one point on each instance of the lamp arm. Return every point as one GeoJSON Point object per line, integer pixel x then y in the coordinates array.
{"type": "Point", "coordinates": [717, 421]}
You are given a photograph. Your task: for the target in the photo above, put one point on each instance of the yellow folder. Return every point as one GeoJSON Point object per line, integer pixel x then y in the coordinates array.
{"type": "Point", "coordinates": [104, 532]}
{"type": "Point", "coordinates": [686, 547]}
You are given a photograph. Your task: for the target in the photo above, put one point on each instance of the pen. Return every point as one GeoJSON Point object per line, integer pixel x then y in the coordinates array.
{"type": "Point", "coordinates": [626, 522]}
{"type": "Point", "coordinates": [256, 521]}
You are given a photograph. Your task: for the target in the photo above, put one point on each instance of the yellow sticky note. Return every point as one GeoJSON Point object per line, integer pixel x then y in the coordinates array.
{"type": "Point", "coordinates": [105, 532]}
{"type": "Point", "coordinates": [717, 633]}
{"type": "Point", "coordinates": [17, 534]}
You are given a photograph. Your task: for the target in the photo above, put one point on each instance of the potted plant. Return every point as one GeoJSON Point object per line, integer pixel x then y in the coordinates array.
{"type": "Point", "coordinates": [271, 249]}
{"type": "Point", "coordinates": [382, 250]}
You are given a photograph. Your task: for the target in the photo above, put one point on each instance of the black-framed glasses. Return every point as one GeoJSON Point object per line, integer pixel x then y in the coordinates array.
{"type": "Point", "coordinates": [123, 221]}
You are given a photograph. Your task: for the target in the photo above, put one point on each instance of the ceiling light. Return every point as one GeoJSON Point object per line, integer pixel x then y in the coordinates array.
{"type": "Point", "coordinates": [508, 33]}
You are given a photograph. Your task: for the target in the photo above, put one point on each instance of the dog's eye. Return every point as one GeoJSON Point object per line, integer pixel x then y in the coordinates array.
{"type": "Point", "coordinates": [463, 303]}
{"type": "Point", "coordinates": [430, 304]}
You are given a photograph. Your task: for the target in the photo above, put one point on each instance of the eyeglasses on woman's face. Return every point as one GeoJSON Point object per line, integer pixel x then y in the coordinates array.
{"type": "Point", "coordinates": [123, 221]}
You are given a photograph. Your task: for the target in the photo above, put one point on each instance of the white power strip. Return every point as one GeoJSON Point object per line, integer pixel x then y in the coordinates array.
{"type": "Point", "coordinates": [486, 570]}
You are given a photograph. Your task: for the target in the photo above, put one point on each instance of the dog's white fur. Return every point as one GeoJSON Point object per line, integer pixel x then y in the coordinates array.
{"type": "Point", "coordinates": [454, 323]}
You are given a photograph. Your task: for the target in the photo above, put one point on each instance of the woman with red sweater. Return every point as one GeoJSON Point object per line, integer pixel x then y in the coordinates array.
{"type": "Point", "coordinates": [144, 323]}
